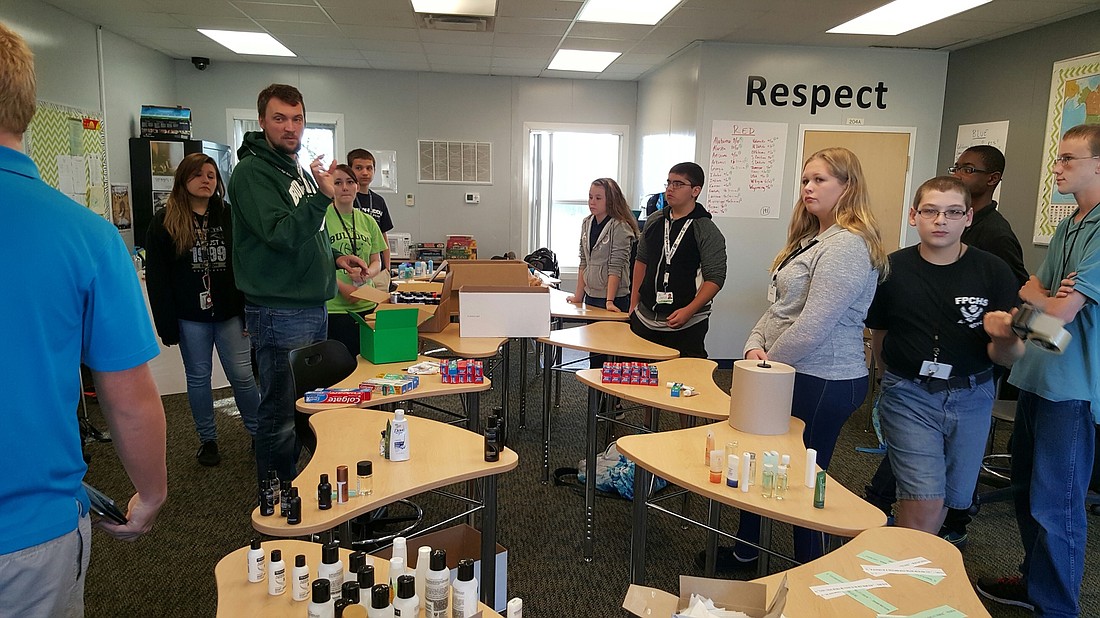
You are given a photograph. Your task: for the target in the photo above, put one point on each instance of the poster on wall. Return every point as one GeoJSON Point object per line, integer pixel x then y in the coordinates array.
{"type": "Point", "coordinates": [1074, 100]}
{"type": "Point", "coordinates": [121, 212]}
{"type": "Point", "coordinates": [746, 169]}
{"type": "Point", "coordinates": [69, 148]}
{"type": "Point", "coordinates": [164, 157]}
{"type": "Point", "coordinates": [983, 134]}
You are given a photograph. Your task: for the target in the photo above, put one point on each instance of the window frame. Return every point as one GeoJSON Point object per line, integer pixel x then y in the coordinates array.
{"type": "Point", "coordinates": [336, 120]}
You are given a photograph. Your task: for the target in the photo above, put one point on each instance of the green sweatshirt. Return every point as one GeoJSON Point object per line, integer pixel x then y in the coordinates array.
{"type": "Point", "coordinates": [281, 254]}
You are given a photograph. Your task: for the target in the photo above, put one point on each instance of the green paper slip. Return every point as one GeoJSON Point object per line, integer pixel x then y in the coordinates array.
{"type": "Point", "coordinates": [875, 558]}
{"type": "Point", "coordinates": [943, 611]}
{"type": "Point", "coordinates": [864, 597]}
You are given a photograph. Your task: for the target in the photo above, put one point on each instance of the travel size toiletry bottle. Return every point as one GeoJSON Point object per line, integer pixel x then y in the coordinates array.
{"type": "Point", "coordinates": [320, 605]}
{"type": "Point", "coordinates": [492, 436]}
{"type": "Point", "coordinates": [515, 608]}
{"type": "Point", "coordinates": [745, 471]}
{"type": "Point", "coordinates": [299, 579]}
{"type": "Point", "coordinates": [341, 484]}
{"type": "Point", "coordinates": [364, 478]}
{"type": "Point", "coordinates": [733, 469]}
{"type": "Point", "coordinates": [781, 482]}
{"type": "Point", "coordinates": [752, 468]}
{"type": "Point", "coordinates": [399, 437]}
{"type": "Point", "coordinates": [294, 508]}
{"type": "Point", "coordinates": [350, 592]}
{"type": "Point", "coordinates": [819, 490]}
{"type": "Point", "coordinates": [274, 484]}
{"type": "Point", "coordinates": [464, 592]}
{"type": "Point", "coordinates": [710, 447]}
{"type": "Point", "coordinates": [339, 606]}
{"type": "Point", "coordinates": [811, 467]}
{"type": "Point", "coordinates": [257, 565]}
{"type": "Point", "coordinates": [276, 584]}
{"type": "Point", "coordinates": [380, 602]}
{"type": "Point", "coordinates": [423, 565]}
{"type": "Point", "coordinates": [331, 567]}
{"type": "Point", "coordinates": [355, 562]}
{"type": "Point", "coordinates": [767, 481]}
{"type": "Point", "coordinates": [324, 494]}
{"type": "Point", "coordinates": [284, 497]}
{"type": "Point", "coordinates": [406, 604]}
{"type": "Point", "coordinates": [397, 569]}
{"type": "Point", "coordinates": [715, 466]}
{"type": "Point", "coordinates": [437, 586]}
{"type": "Point", "coordinates": [365, 577]}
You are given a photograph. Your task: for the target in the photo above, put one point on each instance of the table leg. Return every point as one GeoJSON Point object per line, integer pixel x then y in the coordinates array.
{"type": "Point", "coordinates": [714, 513]}
{"type": "Point", "coordinates": [557, 378]}
{"type": "Point", "coordinates": [765, 541]}
{"type": "Point", "coordinates": [642, 482]}
{"type": "Point", "coordinates": [473, 412]}
{"type": "Point", "coordinates": [489, 542]}
{"type": "Point", "coordinates": [523, 383]}
{"type": "Point", "coordinates": [590, 478]}
{"type": "Point", "coordinates": [548, 359]}
{"type": "Point", "coordinates": [505, 389]}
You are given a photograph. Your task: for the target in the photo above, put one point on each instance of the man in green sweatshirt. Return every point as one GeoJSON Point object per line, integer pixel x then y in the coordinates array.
{"type": "Point", "coordinates": [283, 262]}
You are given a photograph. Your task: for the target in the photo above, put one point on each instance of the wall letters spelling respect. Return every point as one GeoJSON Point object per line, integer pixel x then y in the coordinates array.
{"type": "Point", "coordinates": [818, 96]}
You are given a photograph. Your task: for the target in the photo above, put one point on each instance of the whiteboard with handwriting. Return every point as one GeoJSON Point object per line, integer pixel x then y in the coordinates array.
{"type": "Point", "coordinates": [746, 169]}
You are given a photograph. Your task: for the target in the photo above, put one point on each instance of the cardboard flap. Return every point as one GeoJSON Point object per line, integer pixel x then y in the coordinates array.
{"type": "Point", "coordinates": [359, 318]}
{"type": "Point", "coordinates": [748, 597]}
{"type": "Point", "coordinates": [423, 312]}
{"type": "Point", "coordinates": [372, 294]}
{"type": "Point", "coordinates": [404, 317]}
{"type": "Point", "coordinates": [775, 610]}
{"type": "Point", "coordinates": [645, 601]}
{"type": "Point", "coordinates": [488, 272]}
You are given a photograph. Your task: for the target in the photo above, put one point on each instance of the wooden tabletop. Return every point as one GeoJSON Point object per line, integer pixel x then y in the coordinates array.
{"type": "Point", "coordinates": [677, 456]}
{"type": "Point", "coordinates": [239, 598]}
{"type": "Point", "coordinates": [563, 309]}
{"type": "Point", "coordinates": [909, 594]}
{"type": "Point", "coordinates": [441, 455]}
{"type": "Point", "coordinates": [431, 385]}
{"type": "Point", "coordinates": [612, 338]}
{"type": "Point", "coordinates": [710, 402]}
{"type": "Point", "coordinates": [465, 347]}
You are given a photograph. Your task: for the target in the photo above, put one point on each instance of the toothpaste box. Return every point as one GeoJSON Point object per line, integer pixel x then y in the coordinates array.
{"type": "Point", "coordinates": [349, 396]}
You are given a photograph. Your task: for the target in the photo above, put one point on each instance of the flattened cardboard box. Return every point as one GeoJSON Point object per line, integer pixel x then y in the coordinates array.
{"type": "Point", "coordinates": [499, 311]}
{"type": "Point", "coordinates": [748, 597]}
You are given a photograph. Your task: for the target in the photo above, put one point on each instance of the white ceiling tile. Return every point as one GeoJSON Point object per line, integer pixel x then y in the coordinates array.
{"type": "Point", "coordinates": [212, 8]}
{"type": "Point", "coordinates": [394, 57]}
{"type": "Point", "coordinates": [456, 38]}
{"type": "Point", "coordinates": [291, 28]}
{"type": "Point", "coordinates": [524, 25]}
{"type": "Point", "coordinates": [549, 9]}
{"type": "Point", "coordinates": [612, 45]}
{"type": "Point", "coordinates": [521, 63]}
{"type": "Point", "coordinates": [150, 20]}
{"type": "Point", "coordinates": [532, 41]}
{"type": "Point", "coordinates": [240, 23]}
{"type": "Point", "coordinates": [380, 34]}
{"type": "Point", "coordinates": [334, 54]}
{"type": "Point", "coordinates": [284, 12]}
{"type": "Point", "coordinates": [628, 32]}
{"type": "Point", "coordinates": [317, 42]}
{"type": "Point", "coordinates": [360, 14]}
{"type": "Point", "coordinates": [388, 46]}
{"type": "Point", "coordinates": [523, 53]}
{"type": "Point", "coordinates": [459, 61]}
{"type": "Point", "coordinates": [481, 51]}
{"type": "Point", "coordinates": [514, 71]}
{"type": "Point", "coordinates": [340, 63]}
{"type": "Point", "coordinates": [401, 66]}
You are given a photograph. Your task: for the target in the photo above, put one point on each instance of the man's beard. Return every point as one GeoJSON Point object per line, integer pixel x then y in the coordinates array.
{"type": "Point", "coordinates": [279, 147]}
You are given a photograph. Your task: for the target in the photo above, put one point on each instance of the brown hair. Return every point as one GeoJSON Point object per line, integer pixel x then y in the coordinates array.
{"type": "Point", "coordinates": [284, 92]}
{"type": "Point", "coordinates": [359, 153]}
{"type": "Point", "coordinates": [616, 203]}
{"type": "Point", "coordinates": [17, 82]}
{"type": "Point", "coordinates": [852, 210]}
{"type": "Point", "coordinates": [178, 220]}
{"type": "Point", "coordinates": [1088, 132]}
{"type": "Point", "coordinates": [943, 184]}
{"type": "Point", "coordinates": [344, 167]}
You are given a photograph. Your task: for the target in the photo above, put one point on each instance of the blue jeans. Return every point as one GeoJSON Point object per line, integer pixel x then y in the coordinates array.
{"type": "Point", "coordinates": [197, 343]}
{"type": "Point", "coordinates": [1052, 453]}
{"type": "Point", "coordinates": [824, 405]}
{"type": "Point", "coordinates": [275, 332]}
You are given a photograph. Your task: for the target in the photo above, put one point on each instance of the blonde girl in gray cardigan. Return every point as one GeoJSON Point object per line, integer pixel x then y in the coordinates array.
{"type": "Point", "coordinates": [607, 241]}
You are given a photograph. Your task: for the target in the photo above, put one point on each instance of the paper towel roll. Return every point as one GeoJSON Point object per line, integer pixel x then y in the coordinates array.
{"type": "Point", "coordinates": [760, 399]}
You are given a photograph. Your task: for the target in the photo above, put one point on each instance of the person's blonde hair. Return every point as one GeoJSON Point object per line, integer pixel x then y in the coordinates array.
{"type": "Point", "coordinates": [178, 218]}
{"type": "Point", "coordinates": [616, 203]}
{"type": "Point", "coordinates": [852, 210]}
{"type": "Point", "coordinates": [17, 82]}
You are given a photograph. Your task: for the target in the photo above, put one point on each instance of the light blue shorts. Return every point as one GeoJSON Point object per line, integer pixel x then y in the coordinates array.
{"type": "Point", "coordinates": [936, 440]}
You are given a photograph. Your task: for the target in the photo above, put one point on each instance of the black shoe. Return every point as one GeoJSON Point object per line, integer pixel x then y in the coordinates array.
{"type": "Point", "coordinates": [1005, 590]}
{"type": "Point", "coordinates": [955, 537]}
{"type": "Point", "coordinates": [208, 454]}
{"type": "Point", "coordinates": [727, 561]}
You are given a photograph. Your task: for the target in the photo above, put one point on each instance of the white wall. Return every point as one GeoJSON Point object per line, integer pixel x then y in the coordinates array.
{"type": "Point", "coordinates": [915, 98]}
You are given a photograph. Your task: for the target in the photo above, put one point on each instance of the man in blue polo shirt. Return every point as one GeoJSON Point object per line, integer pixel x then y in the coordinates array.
{"type": "Point", "coordinates": [70, 295]}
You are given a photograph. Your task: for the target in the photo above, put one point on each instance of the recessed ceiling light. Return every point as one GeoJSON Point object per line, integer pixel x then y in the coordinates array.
{"type": "Point", "coordinates": [252, 43]}
{"type": "Point", "coordinates": [646, 12]}
{"type": "Point", "coordinates": [905, 15]}
{"type": "Point", "coordinates": [480, 8]}
{"type": "Point", "coordinates": [580, 60]}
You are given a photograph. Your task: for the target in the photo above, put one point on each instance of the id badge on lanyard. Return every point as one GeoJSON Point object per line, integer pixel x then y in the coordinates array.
{"type": "Point", "coordinates": [664, 297]}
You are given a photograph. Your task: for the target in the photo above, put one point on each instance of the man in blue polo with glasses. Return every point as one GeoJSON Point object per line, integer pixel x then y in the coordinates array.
{"type": "Point", "coordinates": [938, 323]}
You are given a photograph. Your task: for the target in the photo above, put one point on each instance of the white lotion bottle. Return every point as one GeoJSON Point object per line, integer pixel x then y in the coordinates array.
{"type": "Point", "coordinates": [515, 608]}
{"type": "Point", "coordinates": [437, 586]}
{"type": "Point", "coordinates": [464, 593]}
{"type": "Point", "coordinates": [276, 584]}
{"type": "Point", "coordinates": [320, 606]}
{"type": "Point", "coordinates": [380, 606]}
{"type": "Point", "coordinates": [399, 437]}
{"type": "Point", "coordinates": [299, 578]}
{"type": "Point", "coordinates": [257, 562]}
{"type": "Point", "coordinates": [406, 604]}
{"type": "Point", "coordinates": [331, 567]}
{"type": "Point", "coordinates": [397, 569]}
{"type": "Point", "coordinates": [423, 564]}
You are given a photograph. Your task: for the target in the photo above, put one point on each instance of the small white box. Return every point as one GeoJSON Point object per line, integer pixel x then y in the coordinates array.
{"type": "Point", "coordinates": [400, 243]}
{"type": "Point", "coordinates": [503, 311]}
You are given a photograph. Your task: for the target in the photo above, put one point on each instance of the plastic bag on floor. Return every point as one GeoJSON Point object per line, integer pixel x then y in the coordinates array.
{"type": "Point", "coordinates": [615, 473]}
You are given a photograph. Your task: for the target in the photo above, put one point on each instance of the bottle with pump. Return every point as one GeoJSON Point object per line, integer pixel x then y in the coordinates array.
{"type": "Point", "coordinates": [515, 608]}
{"type": "Point", "coordinates": [380, 602]}
{"type": "Point", "coordinates": [464, 594]}
{"type": "Point", "coordinates": [423, 565]}
{"type": "Point", "coordinates": [299, 579]}
{"type": "Point", "coordinates": [276, 584]}
{"type": "Point", "coordinates": [320, 605]}
{"type": "Point", "coordinates": [294, 508]}
{"type": "Point", "coordinates": [399, 437]}
{"type": "Point", "coordinates": [257, 565]}
{"type": "Point", "coordinates": [407, 604]}
{"type": "Point", "coordinates": [324, 494]}
{"type": "Point", "coordinates": [437, 586]}
{"type": "Point", "coordinates": [331, 567]}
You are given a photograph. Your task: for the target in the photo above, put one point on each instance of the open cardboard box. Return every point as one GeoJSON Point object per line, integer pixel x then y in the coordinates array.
{"type": "Point", "coordinates": [748, 597]}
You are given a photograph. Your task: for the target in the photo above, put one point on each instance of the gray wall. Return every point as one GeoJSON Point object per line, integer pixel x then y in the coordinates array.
{"type": "Point", "coordinates": [1009, 79]}
{"type": "Point", "coordinates": [713, 88]}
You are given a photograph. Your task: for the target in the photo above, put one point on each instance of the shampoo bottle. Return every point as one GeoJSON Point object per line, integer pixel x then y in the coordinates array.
{"type": "Point", "coordinates": [399, 437]}
{"type": "Point", "coordinates": [423, 565]}
{"type": "Point", "coordinates": [319, 605]}
{"type": "Point", "coordinates": [464, 595]}
{"type": "Point", "coordinates": [257, 565]}
{"type": "Point", "coordinates": [515, 608]}
{"type": "Point", "coordinates": [331, 567]}
{"type": "Point", "coordinates": [397, 569]}
{"type": "Point", "coordinates": [324, 494]}
{"type": "Point", "coordinates": [365, 576]}
{"type": "Point", "coordinates": [380, 602]}
{"type": "Point", "coordinates": [406, 604]}
{"type": "Point", "coordinates": [294, 508]}
{"type": "Point", "coordinates": [276, 584]}
{"type": "Point", "coordinates": [299, 578]}
{"type": "Point", "coordinates": [437, 586]}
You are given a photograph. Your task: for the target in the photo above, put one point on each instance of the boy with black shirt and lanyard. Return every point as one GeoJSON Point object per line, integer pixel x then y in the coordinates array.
{"type": "Point", "coordinates": [362, 163]}
{"type": "Point", "coordinates": [938, 323]}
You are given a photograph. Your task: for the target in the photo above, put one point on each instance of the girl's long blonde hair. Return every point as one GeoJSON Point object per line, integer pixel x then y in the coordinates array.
{"type": "Point", "coordinates": [178, 218]}
{"type": "Point", "coordinates": [616, 203]}
{"type": "Point", "coordinates": [852, 211]}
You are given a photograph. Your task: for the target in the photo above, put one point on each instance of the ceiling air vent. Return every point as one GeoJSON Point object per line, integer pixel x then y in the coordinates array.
{"type": "Point", "coordinates": [458, 23]}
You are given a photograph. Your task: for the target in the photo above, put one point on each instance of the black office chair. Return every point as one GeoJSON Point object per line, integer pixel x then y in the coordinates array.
{"type": "Point", "coordinates": [319, 365]}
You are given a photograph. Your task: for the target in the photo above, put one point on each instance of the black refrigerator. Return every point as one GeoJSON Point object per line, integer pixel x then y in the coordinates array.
{"type": "Point", "coordinates": [153, 164]}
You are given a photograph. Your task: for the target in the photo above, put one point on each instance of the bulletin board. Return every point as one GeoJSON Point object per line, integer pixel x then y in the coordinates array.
{"type": "Point", "coordinates": [746, 169]}
{"type": "Point", "coordinates": [69, 146]}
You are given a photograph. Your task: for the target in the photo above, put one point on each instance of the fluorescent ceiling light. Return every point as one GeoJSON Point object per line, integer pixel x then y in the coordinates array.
{"type": "Point", "coordinates": [905, 15]}
{"type": "Point", "coordinates": [252, 43]}
{"type": "Point", "coordinates": [579, 60]}
{"type": "Point", "coordinates": [645, 12]}
{"type": "Point", "coordinates": [478, 8]}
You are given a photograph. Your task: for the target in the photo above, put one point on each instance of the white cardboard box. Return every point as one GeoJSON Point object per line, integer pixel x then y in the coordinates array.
{"type": "Point", "coordinates": [504, 311]}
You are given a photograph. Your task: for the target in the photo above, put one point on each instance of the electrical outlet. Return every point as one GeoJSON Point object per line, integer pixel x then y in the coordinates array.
{"type": "Point", "coordinates": [409, 201]}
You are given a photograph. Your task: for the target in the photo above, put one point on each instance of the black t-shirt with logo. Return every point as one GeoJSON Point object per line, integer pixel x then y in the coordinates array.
{"type": "Point", "coordinates": [373, 204]}
{"type": "Point", "coordinates": [920, 300]}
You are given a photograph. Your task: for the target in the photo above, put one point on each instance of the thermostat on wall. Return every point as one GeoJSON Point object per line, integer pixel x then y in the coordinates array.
{"type": "Point", "coordinates": [473, 198]}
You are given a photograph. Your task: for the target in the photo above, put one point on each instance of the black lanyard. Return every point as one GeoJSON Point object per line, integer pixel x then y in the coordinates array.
{"type": "Point", "coordinates": [351, 234]}
{"type": "Point", "coordinates": [793, 255]}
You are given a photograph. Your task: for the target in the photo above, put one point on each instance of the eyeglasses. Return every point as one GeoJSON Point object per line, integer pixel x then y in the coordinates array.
{"type": "Point", "coordinates": [1065, 159]}
{"type": "Point", "coordinates": [677, 184]}
{"type": "Point", "coordinates": [931, 214]}
{"type": "Point", "coordinates": [967, 169]}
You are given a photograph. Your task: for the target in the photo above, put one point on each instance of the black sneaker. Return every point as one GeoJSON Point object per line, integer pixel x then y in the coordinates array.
{"type": "Point", "coordinates": [208, 454]}
{"type": "Point", "coordinates": [727, 561]}
{"type": "Point", "coordinates": [1005, 590]}
{"type": "Point", "coordinates": [956, 538]}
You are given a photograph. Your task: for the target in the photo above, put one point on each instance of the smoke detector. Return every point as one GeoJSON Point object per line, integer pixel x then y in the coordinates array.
{"type": "Point", "coordinates": [457, 23]}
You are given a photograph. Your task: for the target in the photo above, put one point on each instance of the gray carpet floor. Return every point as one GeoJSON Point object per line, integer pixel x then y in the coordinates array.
{"type": "Point", "coordinates": [170, 572]}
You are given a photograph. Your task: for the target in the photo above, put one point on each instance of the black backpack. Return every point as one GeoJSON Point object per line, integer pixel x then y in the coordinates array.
{"type": "Point", "coordinates": [545, 260]}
